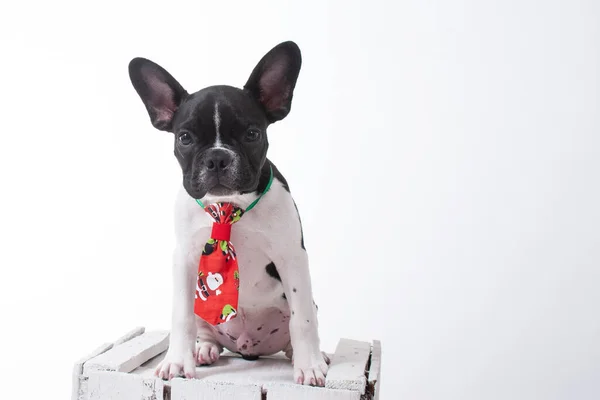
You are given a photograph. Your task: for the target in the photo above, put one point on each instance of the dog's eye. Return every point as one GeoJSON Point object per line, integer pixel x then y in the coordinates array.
{"type": "Point", "coordinates": [185, 139]}
{"type": "Point", "coordinates": [252, 134]}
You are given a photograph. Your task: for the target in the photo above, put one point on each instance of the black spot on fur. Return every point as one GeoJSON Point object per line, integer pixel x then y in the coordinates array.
{"type": "Point", "coordinates": [259, 328]}
{"type": "Point", "coordinates": [274, 331]}
{"type": "Point", "coordinates": [307, 320]}
{"type": "Point", "coordinates": [301, 230]}
{"type": "Point", "coordinates": [280, 178]}
{"type": "Point", "coordinates": [264, 180]}
{"type": "Point", "coordinates": [294, 290]}
{"type": "Point", "coordinates": [284, 296]}
{"type": "Point", "coordinates": [272, 271]}
{"type": "Point", "coordinates": [264, 177]}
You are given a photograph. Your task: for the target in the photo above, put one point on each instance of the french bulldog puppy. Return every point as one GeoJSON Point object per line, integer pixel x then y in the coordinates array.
{"type": "Point", "coordinates": [220, 136]}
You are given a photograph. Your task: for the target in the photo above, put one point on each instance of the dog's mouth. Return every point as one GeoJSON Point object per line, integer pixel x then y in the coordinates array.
{"type": "Point", "coordinates": [217, 185]}
{"type": "Point", "coordinates": [220, 189]}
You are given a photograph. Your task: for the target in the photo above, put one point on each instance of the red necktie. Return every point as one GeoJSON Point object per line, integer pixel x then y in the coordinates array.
{"type": "Point", "coordinates": [218, 282]}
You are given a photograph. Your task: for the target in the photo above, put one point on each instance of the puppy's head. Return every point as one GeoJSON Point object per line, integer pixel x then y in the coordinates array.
{"type": "Point", "coordinates": [220, 131]}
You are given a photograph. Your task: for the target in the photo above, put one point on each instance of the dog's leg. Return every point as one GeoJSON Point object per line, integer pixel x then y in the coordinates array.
{"type": "Point", "coordinates": [179, 359]}
{"type": "Point", "coordinates": [208, 348]}
{"type": "Point", "coordinates": [310, 367]}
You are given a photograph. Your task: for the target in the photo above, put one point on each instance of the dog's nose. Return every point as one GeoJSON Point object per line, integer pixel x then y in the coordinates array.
{"type": "Point", "coordinates": [217, 160]}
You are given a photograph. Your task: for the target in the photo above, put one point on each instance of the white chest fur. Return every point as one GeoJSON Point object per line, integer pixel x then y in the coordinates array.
{"type": "Point", "coordinates": [268, 232]}
{"type": "Point", "coordinates": [271, 228]}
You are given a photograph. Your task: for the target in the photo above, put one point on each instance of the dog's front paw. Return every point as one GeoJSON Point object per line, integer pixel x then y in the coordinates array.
{"type": "Point", "coordinates": [310, 369]}
{"type": "Point", "coordinates": [175, 364]}
{"type": "Point", "coordinates": [289, 353]}
{"type": "Point", "coordinates": [207, 353]}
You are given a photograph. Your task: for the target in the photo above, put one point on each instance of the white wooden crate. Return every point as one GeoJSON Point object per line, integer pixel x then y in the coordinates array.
{"type": "Point", "coordinates": [124, 370]}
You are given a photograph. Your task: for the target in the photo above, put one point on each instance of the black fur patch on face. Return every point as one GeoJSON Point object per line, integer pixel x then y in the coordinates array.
{"type": "Point", "coordinates": [272, 271]}
{"type": "Point", "coordinates": [220, 132]}
{"type": "Point", "coordinates": [231, 118]}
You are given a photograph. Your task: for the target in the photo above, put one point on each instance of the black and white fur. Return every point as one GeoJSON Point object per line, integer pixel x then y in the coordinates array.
{"type": "Point", "coordinates": [221, 145]}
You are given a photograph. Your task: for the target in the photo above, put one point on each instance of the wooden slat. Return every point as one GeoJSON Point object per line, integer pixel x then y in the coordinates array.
{"type": "Point", "coordinates": [103, 385]}
{"type": "Point", "coordinates": [375, 370]}
{"type": "Point", "coordinates": [131, 354]}
{"type": "Point", "coordinates": [138, 352]}
{"type": "Point", "coordinates": [80, 381]}
{"type": "Point", "coordinates": [231, 368]}
{"type": "Point", "coordinates": [77, 389]}
{"type": "Point", "coordinates": [130, 335]}
{"type": "Point", "coordinates": [196, 389]}
{"type": "Point", "coordinates": [294, 391]}
{"type": "Point", "coordinates": [347, 368]}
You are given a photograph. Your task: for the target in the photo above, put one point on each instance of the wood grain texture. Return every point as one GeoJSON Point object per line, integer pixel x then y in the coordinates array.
{"type": "Point", "coordinates": [130, 335]}
{"type": "Point", "coordinates": [79, 381]}
{"type": "Point", "coordinates": [294, 391]}
{"type": "Point", "coordinates": [195, 389]}
{"type": "Point", "coordinates": [375, 370]}
{"type": "Point", "coordinates": [232, 368]}
{"type": "Point", "coordinates": [104, 385]}
{"type": "Point", "coordinates": [348, 366]}
{"type": "Point", "coordinates": [131, 354]}
{"type": "Point", "coordinates": [125, 370]}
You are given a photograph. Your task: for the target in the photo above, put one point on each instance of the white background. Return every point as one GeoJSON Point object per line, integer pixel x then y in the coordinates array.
{"type": "Point", "coordinates": [458, 142]}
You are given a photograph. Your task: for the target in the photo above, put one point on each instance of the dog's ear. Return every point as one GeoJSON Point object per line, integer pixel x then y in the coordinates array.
{"type": "Point", "coordinates": [159, 91]}
{"type": "Point", "coordinates": [273, 80]}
